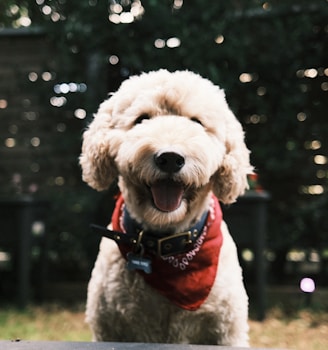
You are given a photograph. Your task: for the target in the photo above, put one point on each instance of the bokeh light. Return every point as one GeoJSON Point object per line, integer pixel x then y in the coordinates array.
{"type": "Point", "coordinates": [307, 285]}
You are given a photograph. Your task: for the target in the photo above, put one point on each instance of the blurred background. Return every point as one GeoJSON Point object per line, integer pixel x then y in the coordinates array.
{"type": "Point", "coordinates": [59, 59]}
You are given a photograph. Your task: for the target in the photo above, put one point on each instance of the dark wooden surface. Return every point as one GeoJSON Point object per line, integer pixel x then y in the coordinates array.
{"type": "Point", "coordinates": [54, 345]}
{"type": "Point", "coordinates": [27, 113]}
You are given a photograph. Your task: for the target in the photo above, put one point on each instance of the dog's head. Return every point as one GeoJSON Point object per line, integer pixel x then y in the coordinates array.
{"type": "Point", "coordinates": [171, 139]}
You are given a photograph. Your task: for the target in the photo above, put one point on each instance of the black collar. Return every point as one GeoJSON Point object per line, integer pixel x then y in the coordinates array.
{"type": "Point", "coordinates": [150, 242]}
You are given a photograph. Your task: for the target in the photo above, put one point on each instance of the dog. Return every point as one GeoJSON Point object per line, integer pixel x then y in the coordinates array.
{"type": "Point", "coordinates": [167, 269]}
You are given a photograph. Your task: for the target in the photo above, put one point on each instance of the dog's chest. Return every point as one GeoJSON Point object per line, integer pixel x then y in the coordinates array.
{"type": "Point", "coordinates": [151, 316]}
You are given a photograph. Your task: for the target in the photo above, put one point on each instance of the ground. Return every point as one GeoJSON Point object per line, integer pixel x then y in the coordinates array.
{"type": "Point", "coordinates": [290, 323]}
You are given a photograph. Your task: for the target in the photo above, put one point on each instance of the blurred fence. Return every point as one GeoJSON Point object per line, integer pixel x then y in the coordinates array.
{"type": "Point", "coordinates": [38, 160]}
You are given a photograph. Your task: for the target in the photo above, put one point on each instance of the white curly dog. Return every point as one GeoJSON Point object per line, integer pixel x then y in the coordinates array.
{"type": "Point", "coordinates": [167, 269]}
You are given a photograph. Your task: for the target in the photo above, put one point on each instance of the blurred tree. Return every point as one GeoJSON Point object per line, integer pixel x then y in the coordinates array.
{"type": "Point", "coordinates": [270, 57]}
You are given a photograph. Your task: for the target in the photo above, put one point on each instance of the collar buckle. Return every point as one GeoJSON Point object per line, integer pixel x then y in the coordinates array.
{"type": "Point", "coordinates": [175, 244]}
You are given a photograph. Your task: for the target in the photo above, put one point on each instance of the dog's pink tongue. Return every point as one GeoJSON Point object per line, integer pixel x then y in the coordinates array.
{"type": "Point", "coordinates": [167, 195]}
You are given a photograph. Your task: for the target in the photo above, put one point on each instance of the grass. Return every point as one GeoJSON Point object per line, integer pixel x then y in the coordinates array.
{"type": "Point", "coordinates": [47, 322]}
{"type": "Point", "coordinates": [303, 329]}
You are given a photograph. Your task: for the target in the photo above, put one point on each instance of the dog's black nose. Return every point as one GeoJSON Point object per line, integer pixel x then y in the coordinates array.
{"type": "Point", "coordinates": [169, 162]}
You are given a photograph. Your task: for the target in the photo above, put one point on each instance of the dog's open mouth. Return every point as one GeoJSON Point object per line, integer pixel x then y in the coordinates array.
{"type": "Point", "coordinates": [167, 194]}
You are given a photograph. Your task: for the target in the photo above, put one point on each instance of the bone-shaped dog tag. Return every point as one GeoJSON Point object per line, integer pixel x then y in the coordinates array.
{"type": "Point", "coordinates": [137, 262]}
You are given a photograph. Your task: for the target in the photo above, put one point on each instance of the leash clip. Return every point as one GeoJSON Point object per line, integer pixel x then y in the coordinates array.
{"type": "Point", "coordinates": [136, 261]}
{"type": "Point", "coordinates": [139, 248]}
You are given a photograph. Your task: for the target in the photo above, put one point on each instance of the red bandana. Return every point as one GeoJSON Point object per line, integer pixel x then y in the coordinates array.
{"type": "Point", "coordinates": [185, 279]}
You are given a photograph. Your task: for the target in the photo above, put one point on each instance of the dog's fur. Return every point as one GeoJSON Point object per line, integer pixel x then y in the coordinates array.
{"type": "Point", "coordinates": [187, 115]}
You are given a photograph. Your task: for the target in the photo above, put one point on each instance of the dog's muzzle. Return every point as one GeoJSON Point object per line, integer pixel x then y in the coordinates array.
{"type": "Point", "coordinates": [167, 194]}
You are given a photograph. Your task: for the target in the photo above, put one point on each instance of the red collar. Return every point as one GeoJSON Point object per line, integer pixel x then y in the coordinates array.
{"type": "Point", "coordinates": [185, 279]}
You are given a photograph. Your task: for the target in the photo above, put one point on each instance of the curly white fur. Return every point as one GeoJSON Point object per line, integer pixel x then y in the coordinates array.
{"type": "Point", "coordinates": [151, 114]}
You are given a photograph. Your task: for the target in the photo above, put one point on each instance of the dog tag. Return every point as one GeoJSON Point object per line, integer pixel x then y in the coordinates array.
{"type": "Point", "coordinates": [136, 262]}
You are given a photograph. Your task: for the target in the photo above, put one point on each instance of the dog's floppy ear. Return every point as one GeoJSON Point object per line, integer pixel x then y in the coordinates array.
{"type": "Point", "coordinates": [230, 181]}
{"type": "Point", "coordinates": [99, 149]}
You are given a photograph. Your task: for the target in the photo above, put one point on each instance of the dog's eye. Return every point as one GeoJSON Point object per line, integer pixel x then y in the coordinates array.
{"type": "Point", "coordinates": [196, 120]}
{"type": "Point", "coordinates": [141, 117]}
